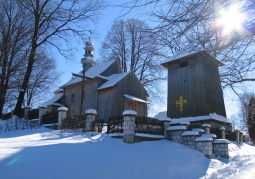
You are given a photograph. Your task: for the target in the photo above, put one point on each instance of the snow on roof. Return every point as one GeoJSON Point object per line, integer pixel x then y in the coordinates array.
{"type": "Point", "coordinates": [150, 136]}
{"type": "Point", "coordinates": [52, 100]}
{"type": "Point", "coordinates": [185, 123]}
{"type": "Point", "coordinates": [173, 128]}
{"type": "Point", "coordinates": [188, 133]}
{"type": "Point", "coordinates": [185, 52]}
{"type": "Point", "coordinates": [162, 116]}
{"type": "Point", "coordinates": [166, 119]}
{"type": "Point", "coordinates": [133, 98]}
{"type": "Point", "coordinates": [91, 73]}
{"type": "Point", "coordinates": [199, 139]}
{"type": "Point", "coordinates": [209, 135]}
{"type": "Point", "coordinates": [201, 118]}
{"type": "Point", "coordinates": [113, 80]}
{"type": "Point", "coordinates": [221, 141]}
{"type": "Point", "coordinates": [57, 104]}
{"type": "Point", "coordinates": [198, 129]}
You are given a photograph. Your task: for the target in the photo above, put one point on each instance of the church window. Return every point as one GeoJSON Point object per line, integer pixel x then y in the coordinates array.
{"type": "Point", "coordinates": [183, 64]}
{"type": "Point", "coordinates": [89, 51]}
{"type": "Point", "coordinates": [72, 98]}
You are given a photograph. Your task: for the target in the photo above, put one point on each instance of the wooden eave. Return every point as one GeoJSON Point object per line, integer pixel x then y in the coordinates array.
{"type": "Point", "coordinates": [203, 53]}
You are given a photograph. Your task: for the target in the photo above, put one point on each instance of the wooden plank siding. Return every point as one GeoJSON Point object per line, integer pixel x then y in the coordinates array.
{"type": "Point", "coordinates": [107, 102]}
{"type": "Point", "coordinates": [113, 69]}
{"type": "Point", "coordinates": [199, 83]}
{"type": "Point", "coordinates": [112, 100]}
{"type": "Point", "coordinates": [90, 88]}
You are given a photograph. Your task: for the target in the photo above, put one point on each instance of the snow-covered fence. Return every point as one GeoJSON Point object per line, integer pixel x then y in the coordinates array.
{"type": "Point", "coordinates": [33, 114]}
{"type": "Point", "coordinates": [149, 125]}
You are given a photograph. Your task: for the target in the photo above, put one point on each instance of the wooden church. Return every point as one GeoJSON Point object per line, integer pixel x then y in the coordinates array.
{"type": "Point", "coordinates": [103, 87]}
{"type": "Point", "coordinates": [194, 87]}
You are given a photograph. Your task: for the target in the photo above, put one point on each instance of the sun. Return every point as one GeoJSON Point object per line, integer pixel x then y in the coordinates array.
{"type": "Point", "coordinates": [231, 19]}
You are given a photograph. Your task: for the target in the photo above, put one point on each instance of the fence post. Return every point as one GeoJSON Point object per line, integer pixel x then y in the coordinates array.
{"type": "Point", "coordinates": [129, 126]}
{"type": "Point", "coordinates": [222, 129]}
{"type": "Point", "coordinates": [61, 116]}
{"type": "Point", "coordinates": [237, 131]}
{"type": "Point", "coordinates": [241, 137]}
{"type": "Point", "coordinates": [27, 108]}
{"type": "Point", "coordinates": [207, 128]}
{"type": "Point", "coordinates": [42, 111]}
{"type": "Point", "coordinates": [166, 125]}
{"type": "Point", "coordinates": [90, 118]}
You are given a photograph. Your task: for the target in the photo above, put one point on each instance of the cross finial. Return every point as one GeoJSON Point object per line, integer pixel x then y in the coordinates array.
{"type": "Point", "coordinates": [89, 34]}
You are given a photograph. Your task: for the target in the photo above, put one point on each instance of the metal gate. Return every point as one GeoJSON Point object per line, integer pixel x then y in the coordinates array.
{"type": "Point", "coordinates": [115, 124]}
{"type": "Point", "coordinates": [50, 117]}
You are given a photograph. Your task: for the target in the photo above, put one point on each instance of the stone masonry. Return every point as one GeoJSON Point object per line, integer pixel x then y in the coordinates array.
{"type": "Point", "coordinates": [174, 133]}
{"type": "Point", "coordinates": [90, 118]}
{"type": "Point", "coordinates": [188, 138]}
{"type": "Point", "coordinates": [207, 128]}
{"type": "Point", "coordinates": [222, 129]}
{"type": "Point", "coordinates": [42, 111]}
{"type": "Point", "coordinates": [61, 116]}
{"type": "Point", "coordinates": [129, 126]}
{"type": "Point", "coordinates": [220, 147]}
{"type": "Point", "coordinates": [204, 145]}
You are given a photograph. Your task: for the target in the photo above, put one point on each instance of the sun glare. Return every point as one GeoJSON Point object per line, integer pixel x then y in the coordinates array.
{"type": "Point", "coordinates": [231, 19]}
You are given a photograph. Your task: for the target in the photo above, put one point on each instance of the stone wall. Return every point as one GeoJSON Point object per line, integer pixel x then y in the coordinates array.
{"type": "Point", "coordinates": [189, 137]}
{"type": "Point", "coordinates": [220, 148]}
{"type": "Point", "coordinates": [204, 145]}
{"type": "Point", "coordinates": [174, 133]}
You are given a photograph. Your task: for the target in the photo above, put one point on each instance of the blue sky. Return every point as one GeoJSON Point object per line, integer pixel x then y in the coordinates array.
{"type": "Point", "coordinates": [104, 24]}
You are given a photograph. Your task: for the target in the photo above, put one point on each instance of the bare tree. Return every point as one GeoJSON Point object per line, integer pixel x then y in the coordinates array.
{"type": "Point", "coordinates": [14, 36]}
{"type": "Point", "coordinates": [42, 82]}
{"type": "Point", "coordinates": [181, 23]}
{"type": "Point", "coordinates": [55, 22]}
{"type": "Point", "coordinates": [135, 47]}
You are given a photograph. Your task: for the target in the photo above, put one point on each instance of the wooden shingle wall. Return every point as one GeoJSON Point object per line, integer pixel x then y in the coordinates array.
{"type": "Point", "coordinates": [112, 101]}
{"type": "Point", "coordinates": [199, 84]}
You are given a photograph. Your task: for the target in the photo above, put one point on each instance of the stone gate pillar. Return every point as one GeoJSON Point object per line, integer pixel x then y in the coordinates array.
{"type": "Point", "coordinates": [42, 111]}
{"type": "Point", "coordinates": [207, 128]}
{"type": "Point", "coordinates": [61, 116]}
{"type": "Point", "coordinates": [222, 129]}
{"type": "Point", "coordinates": [27, 108]}
{"type": "Point", "coordinates": [129, 126]}
{"type": "Point", "coordinates": [237, 131]}
{"type": "Point", "coordinates": [90, 118]}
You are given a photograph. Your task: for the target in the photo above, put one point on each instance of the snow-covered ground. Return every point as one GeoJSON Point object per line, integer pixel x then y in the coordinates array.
{"type": "Point", "coordinates": [52, 154]}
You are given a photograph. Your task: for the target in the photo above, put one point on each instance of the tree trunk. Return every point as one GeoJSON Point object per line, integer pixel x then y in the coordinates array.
{"type": "Point", "coordinates": [30, 62]}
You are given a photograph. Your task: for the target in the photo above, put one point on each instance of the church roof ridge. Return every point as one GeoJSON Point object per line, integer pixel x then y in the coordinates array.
{"type": "Point", "coordinates": [113, 80]}
{"type": "Point", "coordinates": [91, 72]}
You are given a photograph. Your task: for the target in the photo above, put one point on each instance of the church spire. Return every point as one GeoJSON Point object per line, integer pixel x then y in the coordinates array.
{"type": "Point", "coordinates": [88, 60]}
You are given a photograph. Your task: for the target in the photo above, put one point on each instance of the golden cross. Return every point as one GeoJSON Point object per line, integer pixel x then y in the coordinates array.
{"type": "Point", "coordinates": [181, 102]}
